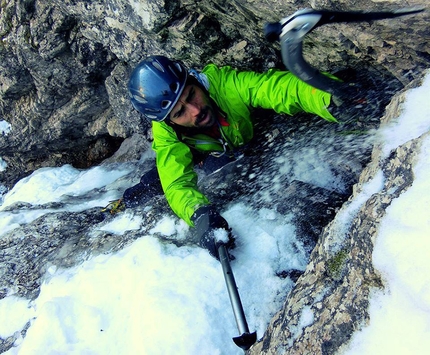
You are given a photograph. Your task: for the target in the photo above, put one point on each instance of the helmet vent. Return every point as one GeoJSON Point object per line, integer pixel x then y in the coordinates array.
{"type": "Point", "coordinates": [151, 117]}
{"type": "Point", "coordinates": [174, 87]}
{"type": "Point", "coordinates": [165, 104]}
{"type": "Point", "coordinates": [140, 99]}
{"type": "Point", "coordinates": [178, 67]}
{"type": "Point", "coordinates": [152, 110]}
{"type": "Point", "coordinates": [175, 69]}
{"type": "Point", "coordinates": [158, 66]}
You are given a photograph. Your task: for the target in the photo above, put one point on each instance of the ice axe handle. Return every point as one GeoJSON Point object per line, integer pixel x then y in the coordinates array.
{"type": "Point", "coordinates": [246, 339]}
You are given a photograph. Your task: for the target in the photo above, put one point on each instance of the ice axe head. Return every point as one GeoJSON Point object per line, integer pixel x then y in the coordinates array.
{"type": "Point", "coordinates": [292, 30]}
{"type": "Point", "coordinates": [246, 340]}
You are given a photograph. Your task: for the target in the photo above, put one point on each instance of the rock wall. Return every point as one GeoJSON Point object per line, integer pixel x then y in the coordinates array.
{"type": "Point", "coordinates": [336, 284]}
{"type": "Point", "coordinates": [64, 64]}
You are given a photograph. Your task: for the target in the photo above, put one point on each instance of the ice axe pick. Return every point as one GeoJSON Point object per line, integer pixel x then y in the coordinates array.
{"type": "Point", "coordinates": [291, 31]}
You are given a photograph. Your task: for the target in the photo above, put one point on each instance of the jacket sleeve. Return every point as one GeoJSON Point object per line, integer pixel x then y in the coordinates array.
{"type": "Point", "coordinates": [176, 170]}
{"type": "Point", "coordinates": [278, 90]}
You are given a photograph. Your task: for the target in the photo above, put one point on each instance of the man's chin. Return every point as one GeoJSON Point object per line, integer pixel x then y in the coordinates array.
{"type": "Point", "coordinates": [207, 122]}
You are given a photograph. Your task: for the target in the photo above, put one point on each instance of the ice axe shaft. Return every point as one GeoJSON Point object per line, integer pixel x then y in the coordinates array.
{"type": "Point", "coordinates": [246, 339]}
{"type": "Point", "coordinates": [233, 293]}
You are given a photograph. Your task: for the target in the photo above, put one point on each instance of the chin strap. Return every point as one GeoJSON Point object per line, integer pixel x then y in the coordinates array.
{"type": "Point", "coordinates": [291, 31]}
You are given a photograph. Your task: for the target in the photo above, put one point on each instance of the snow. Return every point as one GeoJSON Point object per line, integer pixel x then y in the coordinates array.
{"type": "Point", "coordinates": [124, 222]}
{"type": "Point", "coordinates": [400, 315]}
{"type": "Point", "coordinates": [413, 120]}
{"type": "Point", "coordinates": [221, 235]}
{"type": "Point", "coordinates": [5, 127]}
{"type": "Point", "coordinates": [345, 217]}
{"type": "Point", "coordinates": [59, 182]}
{"type": "Point", "coordinates": [21, 314]}
{"type": "Point", "coordinates": [153, 297]}
{"type": "Point", "coordinates": [169, 227]}
{"type": "Point", "coordinates": [306, 319]}
{"type": "Point", "coordinates": [73, 187]}
{"type": "Point", "coordinates": [3, 165]}
{"type": "Point", "coordinates": [132, 302]}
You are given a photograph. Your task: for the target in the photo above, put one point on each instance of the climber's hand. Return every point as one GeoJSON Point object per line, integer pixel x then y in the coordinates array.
{"type": "Point", "coordinates": [211, 230]}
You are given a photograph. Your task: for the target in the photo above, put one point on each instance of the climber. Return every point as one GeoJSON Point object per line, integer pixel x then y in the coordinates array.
{"type": "Point", "coordinates": [195, 115]}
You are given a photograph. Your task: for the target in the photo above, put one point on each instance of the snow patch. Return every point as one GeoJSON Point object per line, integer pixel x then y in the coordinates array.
{"type": "Point", "coordinates": [344, 218]}
{"type": "Point", "coordinates": [306, 319]}
{"type": "Point", "coordinates": [52, 184]}
{"type": "Point", "coordinates": [3, 165]}
{"type": "Point", "coordinates": [412, 122]}
{"type": "Point", "coordinates": [221, 235]}
{"type": "Point", "coordinates": [124, 222]}
{"type": "Point", "coordinates": [168, 227]}
{"type": "Point", "coordinates": [400, 315]}
{"type": "Point", "coordinates": [17, 312]}
{"type": "Point", "coordinates": [5, 127]}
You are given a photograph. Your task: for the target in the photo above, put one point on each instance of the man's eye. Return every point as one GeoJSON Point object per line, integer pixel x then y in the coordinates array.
{"type": "Point", "coordinates": [191, 95]}
{"type": "Point", "coordinates": [179, 113]}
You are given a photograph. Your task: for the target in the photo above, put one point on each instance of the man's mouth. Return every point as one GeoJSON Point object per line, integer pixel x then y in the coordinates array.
{"type": "Point", "coordinates": [203, 118]}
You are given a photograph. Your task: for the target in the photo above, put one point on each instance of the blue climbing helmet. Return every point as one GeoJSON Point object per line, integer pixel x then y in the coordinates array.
{"type": "Point", "coordinates": [155, 86]}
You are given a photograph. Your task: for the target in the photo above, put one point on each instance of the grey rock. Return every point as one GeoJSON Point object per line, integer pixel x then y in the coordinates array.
{"type": "Point", "coordinates": [65, 64]}
{"type": "Point", "coordinates": [340, 274]}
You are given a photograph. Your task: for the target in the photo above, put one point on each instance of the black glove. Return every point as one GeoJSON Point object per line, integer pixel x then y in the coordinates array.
{"type": "Point", "coordinates": [206, 221]}
{"type": "Point", "coordinates": [358, 98]}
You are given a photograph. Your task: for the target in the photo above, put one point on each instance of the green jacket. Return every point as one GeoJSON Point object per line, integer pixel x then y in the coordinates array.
{"type": "Point", "coordinates": [235, 93]}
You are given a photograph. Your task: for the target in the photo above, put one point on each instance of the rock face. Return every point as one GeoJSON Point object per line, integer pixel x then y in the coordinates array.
{"type": "Point", "coordinates": [63, 72]}
{"type": "Point", "coordinates": [64, 64]}
{"type": "Point", "coordinates": [336, 284]}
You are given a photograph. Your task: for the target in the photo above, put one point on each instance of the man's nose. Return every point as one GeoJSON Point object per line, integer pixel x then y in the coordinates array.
{"type": "Point", "coordinates": [193, 108]}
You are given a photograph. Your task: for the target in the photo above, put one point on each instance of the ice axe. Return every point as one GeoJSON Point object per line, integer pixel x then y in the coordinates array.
{"type": "Point", "coordinates": [292, 30]}
{"type": "Point", "coordinates": [246, 339]}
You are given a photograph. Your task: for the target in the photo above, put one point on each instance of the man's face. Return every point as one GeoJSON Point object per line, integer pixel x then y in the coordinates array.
{"type": "Point", "coordinates": [193, 109]}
